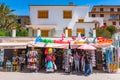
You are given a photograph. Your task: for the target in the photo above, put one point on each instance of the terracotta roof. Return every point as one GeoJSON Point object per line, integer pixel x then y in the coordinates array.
{"type": "Point", "coordinates": [106, 6]}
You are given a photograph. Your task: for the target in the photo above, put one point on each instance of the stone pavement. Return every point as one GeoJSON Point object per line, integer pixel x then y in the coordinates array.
{"type": "Point", "coordinates": [57, 76]}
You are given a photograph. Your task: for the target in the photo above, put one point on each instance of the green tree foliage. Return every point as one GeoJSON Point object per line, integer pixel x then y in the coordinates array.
{"type": "Point", "coordinates": [112, 29]}
{"type": "Point", "coordinates": [5, 33]}
{"type": "Point", "coordinates": [103, 33]}
{"type": "Point", "coordinates": [21, 31]}
{"type": "Point", "coordinates": [8, 33]}
{"type": "Point", "coordinates": [7, 18]}
{"type": "Point", "coordinates": [2, 33]}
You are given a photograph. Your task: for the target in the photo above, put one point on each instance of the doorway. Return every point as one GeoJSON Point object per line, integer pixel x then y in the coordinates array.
{"type": "Point", "coordinates": [81, 31]}
{"type": "Point", "coordinates": [44, 33]}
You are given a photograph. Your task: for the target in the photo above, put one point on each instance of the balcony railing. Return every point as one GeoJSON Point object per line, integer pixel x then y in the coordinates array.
{"type": "Point", "coordinates": [114, 19]}
{"type": "Point", "coordinates": [108, 12]}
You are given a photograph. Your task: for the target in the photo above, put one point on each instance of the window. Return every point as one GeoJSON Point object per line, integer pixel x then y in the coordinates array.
{"type": "Point", "coordinates": [43, 14]}
{"type": "Point", "coordinates": [67, 14]}
{"type": "Point", "coordinates": [118, 9]}
{"type": "Point", "coordinates": [19, 21]}
{"type": "Point", "coordinates": [101, 9]}
{"type": "Point", "coordinates": [81, 31]}
{"type": "Point", "coordinates": [112, 17]}
{"type": "Point", "coordinates": [81, 20]}
{"type": "Point", "coordinates": [44, 33]}
{"type": "Point", "coordinates": [96, 25]}
{"type": "Point", "coordinates": [105, 24]}
{"type": "Point", "coordinates": [93, 15]}
{"type": "Point", "coordinates": [111, 9]}
{"type": "Point", "coordinates": [114, 23]}
{"type": "Point", "coordinates": [101, 15]}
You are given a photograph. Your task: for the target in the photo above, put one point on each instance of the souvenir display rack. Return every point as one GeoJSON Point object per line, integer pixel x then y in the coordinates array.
{"type": "Point", "coordinates": [33, 61]}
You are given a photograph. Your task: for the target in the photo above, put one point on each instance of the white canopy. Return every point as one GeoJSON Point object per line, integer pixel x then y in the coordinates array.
{"type": "Point", "coordinates": [52, 45]}
{"type": "Point", "coordinates": [13, 45]}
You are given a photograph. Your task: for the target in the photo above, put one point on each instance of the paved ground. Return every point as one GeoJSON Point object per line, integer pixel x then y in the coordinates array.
{"type": "Point", "coordinates": [57, 76]}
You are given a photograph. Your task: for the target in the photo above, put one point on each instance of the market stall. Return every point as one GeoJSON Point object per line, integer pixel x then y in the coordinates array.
{"type": "Point", "coordinates": [9, 49]}
{"type": "Point", "coordinates": [43, 43]}
{"type": "Point", "coordinates": [106, 59]}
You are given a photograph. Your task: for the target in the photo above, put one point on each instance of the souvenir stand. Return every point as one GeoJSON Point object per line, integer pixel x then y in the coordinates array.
{"type": "Point", "coordinates": [49, 44]}
{"type": "Point", "coordinates": [106, 59]}
{"type": "Point", "coordinates": [109, 55]}
{"type": "Point", "coordinates": [32, 61]}
{"type": "Point", "coordinates": [111, 59]}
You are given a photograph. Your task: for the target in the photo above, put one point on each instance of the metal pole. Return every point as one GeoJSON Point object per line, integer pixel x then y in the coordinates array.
{"type": "Point", "coordinates": [118, 53]}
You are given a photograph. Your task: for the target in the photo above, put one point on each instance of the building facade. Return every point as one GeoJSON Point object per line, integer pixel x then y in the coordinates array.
{"type": "Point", "coordinates": [23, 20]}
{"type": "Point", "coordinates": [52, 21]}
{"type": "Point", "coordinates": [110, 14]}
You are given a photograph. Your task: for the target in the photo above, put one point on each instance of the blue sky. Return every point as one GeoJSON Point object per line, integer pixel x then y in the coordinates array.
{"type": "Point", "coordinates": [21, 7]}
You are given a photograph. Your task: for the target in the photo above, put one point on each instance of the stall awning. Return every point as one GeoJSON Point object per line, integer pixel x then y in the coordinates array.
{"type": "Point", "coordinates": [41, 27]}
{"type": "Point", "coordinates": [52, 45]}
{"type": "Point", "coordinates": [13, 45]}
{"type": "Point", "coordinates": [74, 46]}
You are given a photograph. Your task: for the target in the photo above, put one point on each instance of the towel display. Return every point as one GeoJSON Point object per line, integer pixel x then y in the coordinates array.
{"type": "Point", "coordinates": [111, 56]}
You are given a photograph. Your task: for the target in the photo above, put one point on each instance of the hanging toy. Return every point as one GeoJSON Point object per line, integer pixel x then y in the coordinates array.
{"type": "Point", "coordinates": [49, 57]}
{"type": "Point", "coordinates": [50, 50]}
{"type": "Point", "coordinates": [53, 58]}
{"type": "Point", "coordinates": [33, 60]}
{"type": "Point", "coordinates": [46, 51]}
